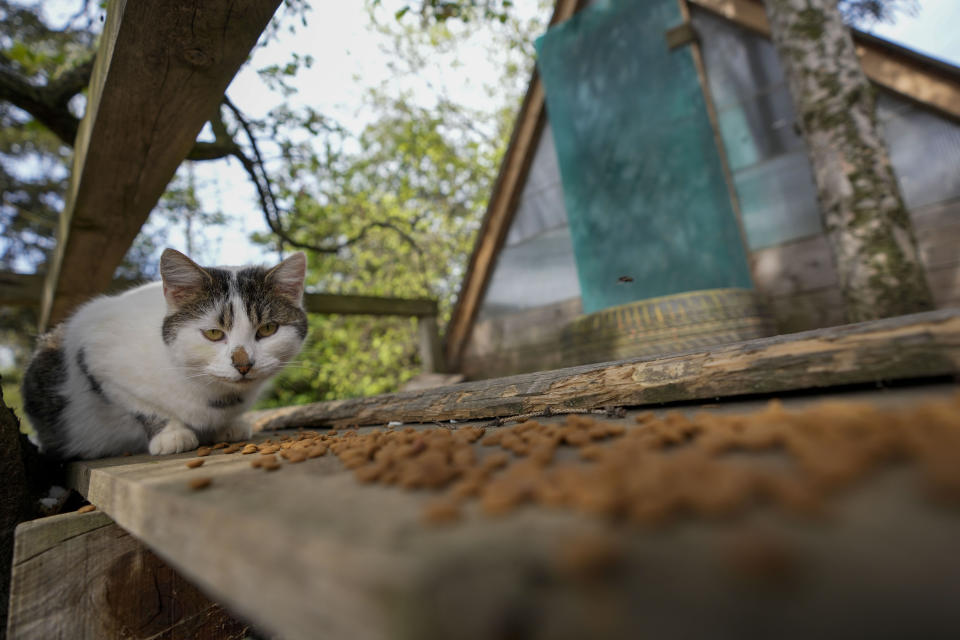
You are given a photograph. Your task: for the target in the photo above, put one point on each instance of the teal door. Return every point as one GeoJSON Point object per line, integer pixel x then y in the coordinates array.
{"type": "Point", "coordinates": [648, 207]}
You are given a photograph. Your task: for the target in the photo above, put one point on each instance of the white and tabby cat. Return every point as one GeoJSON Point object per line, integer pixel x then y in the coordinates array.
{"type": "Point", "coordinates": [163, 366]}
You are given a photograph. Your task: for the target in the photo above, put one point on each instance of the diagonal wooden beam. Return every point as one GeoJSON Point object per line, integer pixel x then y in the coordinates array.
{"type": "Point", "coordinates": [162, 68]}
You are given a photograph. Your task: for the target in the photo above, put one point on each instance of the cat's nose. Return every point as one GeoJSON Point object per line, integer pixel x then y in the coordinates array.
{"type": "Point", "coordinates": [241, 361]}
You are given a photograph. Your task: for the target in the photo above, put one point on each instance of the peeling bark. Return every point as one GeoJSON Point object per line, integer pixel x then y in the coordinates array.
{"type": "Point", "coordinates": [864, 215]}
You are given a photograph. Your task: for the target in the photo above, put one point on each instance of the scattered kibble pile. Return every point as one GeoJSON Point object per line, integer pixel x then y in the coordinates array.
{"type": "Point", "coordinates": [650, 471]}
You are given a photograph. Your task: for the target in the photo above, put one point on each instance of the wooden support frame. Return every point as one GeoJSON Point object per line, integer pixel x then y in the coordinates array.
{"type": "Point", "coordinates": [80, 576]}
{"type": "Point", "coordinates": [161, 71]}
{"type": "Point", "coordinates": [311, 551]}
{"type": "Point", "coordinates": [21, 290]}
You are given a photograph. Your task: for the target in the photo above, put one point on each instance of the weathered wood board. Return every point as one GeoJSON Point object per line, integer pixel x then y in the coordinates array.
{"type": "Point", "coordinates": [307, 552]}
{"type": "Point", "coordinates": [81, 577]}
{"type": "Point", "coordinates": [161, 70]}
{"type": "Point", "coordinates": [916, 346]}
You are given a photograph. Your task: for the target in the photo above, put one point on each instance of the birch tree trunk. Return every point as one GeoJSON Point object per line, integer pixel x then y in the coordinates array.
{"type": "Point", "coordinates": [866, 221]}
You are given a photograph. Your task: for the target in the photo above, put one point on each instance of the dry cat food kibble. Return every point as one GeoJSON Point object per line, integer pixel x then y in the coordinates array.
{"type": "Point", "coordinates": [196, 462]}
{"type": "Point", "coordinates": [200, 483]}
{"type": "Point", "coordinates": [204, 451]}
{"type": "Point", "coordinates": [652, 470]}
{"type": "Point", "coordinates": [665, 466]}
{"type": "Point", "coordinates": [87, 508]}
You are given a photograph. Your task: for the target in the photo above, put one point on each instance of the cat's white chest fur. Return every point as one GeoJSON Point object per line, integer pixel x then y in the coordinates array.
{"type": "Point", "coordinates": [165, 365]}
{"type": "Point", "coordinates": [123, 346]}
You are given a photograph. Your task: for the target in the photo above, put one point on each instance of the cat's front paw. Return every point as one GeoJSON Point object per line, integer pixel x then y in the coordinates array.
{"type": "Point", "coordinates": [234, 432]}
{"type": "Point", "coordinates": [173, 439]}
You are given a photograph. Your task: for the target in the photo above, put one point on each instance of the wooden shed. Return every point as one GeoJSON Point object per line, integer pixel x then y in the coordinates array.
{"type": "Point", "coordinates": [522, 305]}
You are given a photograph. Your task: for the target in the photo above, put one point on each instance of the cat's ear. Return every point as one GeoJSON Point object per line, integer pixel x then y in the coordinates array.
{"type": "Point", "coordinates": [286, 279]}
{"type": "Point", "coordinates": [183, 279]}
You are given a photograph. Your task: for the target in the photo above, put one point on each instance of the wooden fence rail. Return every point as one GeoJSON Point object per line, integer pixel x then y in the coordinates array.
{"type": "Point", "coordinates": [26, 290]}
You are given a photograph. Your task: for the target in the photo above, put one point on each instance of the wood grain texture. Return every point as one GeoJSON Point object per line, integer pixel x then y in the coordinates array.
{"type": "Point", "coordinates": [916, 346]}
{"type": "Point", "coordinates": [160, 73]}
{"type": "Point", "coordinates": [81, 577]}
{"type": "Point", "coordinates": [307, 552]}
{"type": "Point", "coordinates": [369, 305]}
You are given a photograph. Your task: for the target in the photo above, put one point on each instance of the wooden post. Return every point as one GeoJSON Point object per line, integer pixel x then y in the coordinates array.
{"type": "Point", "coordinates": [80, 576]}
{"type": "Point", "coordinates": [431, 354]}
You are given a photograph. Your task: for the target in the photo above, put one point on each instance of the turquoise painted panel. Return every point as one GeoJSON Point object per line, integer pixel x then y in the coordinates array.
{"type": "Point", "coordinates": [642, 179]}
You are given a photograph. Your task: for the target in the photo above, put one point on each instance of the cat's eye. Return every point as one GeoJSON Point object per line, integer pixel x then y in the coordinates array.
{"type": "Point", "coordinates": [267, 329]}
{"type": "Point", "coordinates": [214, 335]}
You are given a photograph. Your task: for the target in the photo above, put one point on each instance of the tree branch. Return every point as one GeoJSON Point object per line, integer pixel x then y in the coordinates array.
{"type": "Point", "coordinates": [268, 202]}
{"type": "Point", "coordinates": [48, 105]}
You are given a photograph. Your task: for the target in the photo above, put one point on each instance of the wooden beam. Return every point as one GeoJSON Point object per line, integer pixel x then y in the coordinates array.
{"type": "Point", "coordinates": [915, 346]}
{"type": "Point", "coordinates": [25, 290]}
{"type": "Point", "coordinates": [901, 70]}
{"type": "Point", "coordinates": [81, 576]}
{"type": "Point", "coordinates": [681, 35]}
{"type": "Point", "coordinates": [431, 351]}
{"type": "Point", "coordinates": [501, 207]}
{"type": "Point", "coordinates": [161, 70]}
{"type": "Point", "coordinates": [20, 289]}
{"type": "Point", "coordinates": [369, 305]}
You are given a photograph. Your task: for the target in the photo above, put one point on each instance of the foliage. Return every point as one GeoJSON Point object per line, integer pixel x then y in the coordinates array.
{"type": "Point", "coordinates": [33, 159]}
{"type": "Point", "coordinates": [466, 10]}
{"type": "Point", "coordinates": [406, 194]}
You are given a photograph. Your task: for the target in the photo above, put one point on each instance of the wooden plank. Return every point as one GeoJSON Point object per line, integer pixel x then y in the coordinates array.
{"type": "Point", "coordinates": [794, 267]}
{"type": "Point", "coordinates": [80, 576]}
{"type": "Point", "coordinates": [681, 35]}
{"type": "Point", "coordinates": [914, 346]}
{"type": "Point", "coordinates": [308, 551]}
{"type": "Point", "coordinates": [918, 77]}
{"type": "Point", "coordinates": [20, 289]}
{"type": "Point", "coordinates": [945, 285]}
{"type": "Point", "coordinates": [501, 207]}
{"type": "Point", "coordinates": [26, 290]}
{"type": "Point", "coordinates": [937, 228]}
{"type": "Point", "coordinates": [518, 342]}
{"type": "Point", "coordinates": [369, 305]}
{"type": "Point", "coordinates": [807, 310]}
{"type": "Point", "coordinates": [160, 73]}
{"type": "Point", "coordinates": [431, 351]}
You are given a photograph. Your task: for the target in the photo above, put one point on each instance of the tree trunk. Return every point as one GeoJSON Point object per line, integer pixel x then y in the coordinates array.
{"type": "Point", "coordinates": [866, 221]}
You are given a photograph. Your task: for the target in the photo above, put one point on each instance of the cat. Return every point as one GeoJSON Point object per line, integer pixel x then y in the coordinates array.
{"type": "Point", "coordinates": [166, 365]}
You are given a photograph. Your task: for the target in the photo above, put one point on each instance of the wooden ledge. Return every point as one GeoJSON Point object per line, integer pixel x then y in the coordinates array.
{"type": "Point", "coordinates": [915, 346]}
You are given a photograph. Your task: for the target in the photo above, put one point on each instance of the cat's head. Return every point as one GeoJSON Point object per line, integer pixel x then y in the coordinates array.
{"type": "Point", "coordinates": [238, 325]}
